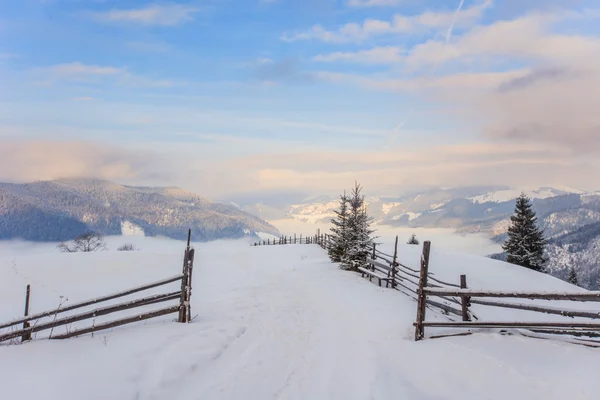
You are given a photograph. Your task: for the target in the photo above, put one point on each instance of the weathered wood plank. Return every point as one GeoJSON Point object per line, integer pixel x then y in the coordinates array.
{"type": "Point", "coordinates": [26, 336]}
{"type": "Point", "coordinates": [124, 321]}
{"type": "Point", "coordinates": [421, 293]}
{"type": "Point", "coordinates": [464, 300]}
{"type": "Point", "coordinates": [547, 310]}
{"type": "Point", "coordinates": [508, 324]}
{"type": "Point", "coordinates": [92, 314]}
{"type": "Point", "coordinates": [94, 301]}
{"type": "Point", "coordinates": [587, 296]}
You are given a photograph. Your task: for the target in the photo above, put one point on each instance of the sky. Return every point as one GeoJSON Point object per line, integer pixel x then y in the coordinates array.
{"type": "Point", "coordinates": [235, 97]}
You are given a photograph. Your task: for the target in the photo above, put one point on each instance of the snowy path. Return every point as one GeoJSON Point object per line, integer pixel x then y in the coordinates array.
{"type": "Point", "coordinates": [295, 336]}
{"type": "Point", "coordinates": [302, 329]}
{"type": "Point", "coordinates": [284, 323]}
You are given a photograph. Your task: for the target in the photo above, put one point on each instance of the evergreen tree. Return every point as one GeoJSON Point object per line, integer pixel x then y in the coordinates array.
{"type": "Point", "coordinates": [339, 237]}
{"type": "Point", "coordinates": [413, 239]}
{"type": "Point", "coordinates": [360, 242]}
{"type": "Point", "coordinates": [525, 244]}
{"type": "Point", "coordinates": [573, 276]}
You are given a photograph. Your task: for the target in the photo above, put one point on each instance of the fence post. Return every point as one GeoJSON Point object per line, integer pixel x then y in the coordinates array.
{"type": "Point", "coordinates": [464, 301]}
{"type": "Point", "coordinates": [182, 308]}
{"type": "Point", "coordinates": [394, 263]}
{"type": "Point", "coordinates": [374, 256]}
{"type": "Point", "coordinates": [26, 336]}
{"type": "Point", "coordinates": [188, 294]}
{"type": "Point", "coordinates": [422, 296]}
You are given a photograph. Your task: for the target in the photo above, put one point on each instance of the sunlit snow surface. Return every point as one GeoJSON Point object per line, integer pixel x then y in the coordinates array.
{"type": "Point", "coordinates": [277, 322]}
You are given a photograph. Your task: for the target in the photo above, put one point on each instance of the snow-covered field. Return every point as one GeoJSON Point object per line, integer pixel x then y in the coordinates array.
{"type": "Point", "coordinates": [277, 322]}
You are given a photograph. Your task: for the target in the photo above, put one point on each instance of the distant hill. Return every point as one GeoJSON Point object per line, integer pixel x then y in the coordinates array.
{"type": "Point", "coordinates": [62, 209]}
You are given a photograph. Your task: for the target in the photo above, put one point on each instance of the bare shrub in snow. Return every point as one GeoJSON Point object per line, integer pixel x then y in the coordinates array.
{"type": "Point", "coordinates": [126, 247]}
{"type": "Point", "coordinates": [88, 242]}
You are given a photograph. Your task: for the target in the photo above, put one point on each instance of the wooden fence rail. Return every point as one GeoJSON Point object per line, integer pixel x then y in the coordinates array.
{"type": "Point", "coordinates": [321, 239]}
{"type": "Point", "coordinates": [468, 297]}
{"type": "Point", "coordinates": [93, 301]}
{"type": "Point", "coordinates": [589, 296]}
{"type": "Point", "coordinates": [183, 308]}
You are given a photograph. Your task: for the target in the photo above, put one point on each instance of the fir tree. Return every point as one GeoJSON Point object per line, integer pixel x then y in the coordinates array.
{"type": "Point", "coordinates": [413, 239]}
{"type": "Point", "coordinates": [339, 237]}
{"type": "Point", "coordinates": [360, 242]}
{"type": "Point", "coordinates": [572, 279]}
{"type": "Point", "coordinates": [525, 244]}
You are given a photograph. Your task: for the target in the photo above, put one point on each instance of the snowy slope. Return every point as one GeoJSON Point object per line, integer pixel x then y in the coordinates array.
{"type": "Point", "coordinates": [277, 322]}
{"type": "Point", "coordinates": [500, 196]}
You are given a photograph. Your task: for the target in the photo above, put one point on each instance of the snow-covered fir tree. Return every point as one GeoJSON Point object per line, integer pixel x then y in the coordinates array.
{"type": "Point", "coordinates": [360, 242]}
{"type": "Point", "coordinates": [572, 279]}
{"type": "Point", "coordinates": [525, 245]}
{"type": "Point", "coordinates": [339, 231]}
{"type": "Point", "coordinates": [413, 239]}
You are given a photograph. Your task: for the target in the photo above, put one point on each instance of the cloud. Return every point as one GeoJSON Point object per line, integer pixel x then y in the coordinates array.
{"type": "Point", "coordinates": [87, 73]}
{"type": "Point", "coordinates": [288, 69]}
{"type": "Point", "coordinates": [535, 77]}
{"type": "Point", "coordinates": [374, 3]}
{"type": "Point", "coordinates": [448, 85]}
{"type": "Point", "coordinates": [169, 14]}
{"type": "Point", "coordinates": [400, 169]}
{"type": "Point", "coordinates": [151, 47]}
{"type": "Point", "coordinates": [525, 80]}
{"type": "Point", "coordinates": [547, 108]}
{"type": "Point", "coordinates": [377, 55]}
{"type": "Point", "coordinates": [527, 39]}
{"type": "Point", "coordinates": [550, 100]}
{"type": "Point", "coordinates": [276, 168]}
{"type": "Point", "coordinates": [44, 160]}
{"type": "Point", "coordinates": [400, 24]}
{"type": "Point", "coordinates": [77, 68]}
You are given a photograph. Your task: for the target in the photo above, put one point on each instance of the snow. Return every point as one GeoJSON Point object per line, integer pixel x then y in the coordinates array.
{"type": "Point", "coordinates": [131, 229]}
{"type": "Point", "coordinates": [387, 207]}
{"type": "Point", "coordinates": [410, 215]}
{"type": "Point", "coordinates": [278, 322]}
{"type": "Point", "coordinates": [511, 194]}
{"type": "Point", "coordinates": [438, 205]}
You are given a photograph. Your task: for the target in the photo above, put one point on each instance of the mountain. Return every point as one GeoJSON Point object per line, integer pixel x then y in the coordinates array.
{"type": "Point", "coordinates": [471, 209]}
{"type": "Point", "coordinates": [62, 209]}
{"type": "Point", "coordinates": [580, 249]}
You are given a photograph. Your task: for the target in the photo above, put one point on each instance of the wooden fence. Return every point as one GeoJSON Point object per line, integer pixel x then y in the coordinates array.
{"type": "Point", "coordinates": [319, 238]}
{"type": "Point", "coordinates": [183, 307]}
{"type": "Point", "coordinates": [465, 297]}
{"type": "Point", "coordinates": [455, 299]}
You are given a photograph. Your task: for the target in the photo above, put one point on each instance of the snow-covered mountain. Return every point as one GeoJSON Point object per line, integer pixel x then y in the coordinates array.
{"type": "Point", "coordinates": [475, 209]}
{"type": "Point", "coordinates": [63, 209]}
{"type": "Point", "coordinates": [500, 196]}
